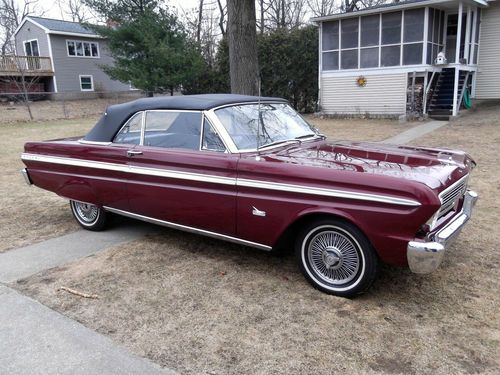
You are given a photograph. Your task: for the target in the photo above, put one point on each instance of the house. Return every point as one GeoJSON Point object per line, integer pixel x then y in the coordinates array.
{"type": "Point", "coordinates": [370, 60]}
{"type": "Point", "coordinates": [62, 57]}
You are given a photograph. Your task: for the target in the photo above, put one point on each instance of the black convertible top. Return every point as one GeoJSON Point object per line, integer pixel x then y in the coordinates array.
{"type": "Point", "coordinates": [116, 115]}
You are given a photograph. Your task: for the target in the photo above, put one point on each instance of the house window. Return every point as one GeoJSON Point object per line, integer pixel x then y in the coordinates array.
{"type": "Point", "coordinates": [79, 48]}
{"type": "Point", "coordinates": [86, 83]}
{"type": "Point", "coordinates": [31, 48]}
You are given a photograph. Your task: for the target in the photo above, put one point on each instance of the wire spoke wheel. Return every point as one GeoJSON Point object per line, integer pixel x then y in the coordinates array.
{"type": "Point", "coordinates": [88, 215]}
{"type": "Point", "coordinates": [87, 212]}
{"type": "Point", "coordinates": [334, 257]}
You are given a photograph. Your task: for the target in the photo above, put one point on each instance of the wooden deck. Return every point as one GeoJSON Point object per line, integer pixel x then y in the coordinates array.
{"type": "Point", "coordinates": [25, 66]}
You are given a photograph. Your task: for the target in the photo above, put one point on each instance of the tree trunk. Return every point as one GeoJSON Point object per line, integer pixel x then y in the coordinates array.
{"type": "Point", "coordinates": [241, 31]}
{"type": "Point", "coordinates": [200, 20]}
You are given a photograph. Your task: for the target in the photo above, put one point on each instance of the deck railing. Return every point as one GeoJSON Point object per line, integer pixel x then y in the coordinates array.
{"type": "Point", "coordinates": [25, 65]}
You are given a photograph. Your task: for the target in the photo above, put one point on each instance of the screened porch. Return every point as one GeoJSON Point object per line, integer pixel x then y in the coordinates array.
{"type": "Point", "coordinates": [407, 37]}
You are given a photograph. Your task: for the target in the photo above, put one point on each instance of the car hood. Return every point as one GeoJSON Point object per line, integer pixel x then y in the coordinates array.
{"type": "Point", "coordinates": [437, 168]}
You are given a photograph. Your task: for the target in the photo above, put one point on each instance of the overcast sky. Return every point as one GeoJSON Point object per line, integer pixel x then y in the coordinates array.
{"type": "Point", "coordinates": [52, 10]}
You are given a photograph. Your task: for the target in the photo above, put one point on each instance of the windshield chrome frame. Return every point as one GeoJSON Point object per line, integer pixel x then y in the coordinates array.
{"type": "Point", "coordinates": [226, 138]}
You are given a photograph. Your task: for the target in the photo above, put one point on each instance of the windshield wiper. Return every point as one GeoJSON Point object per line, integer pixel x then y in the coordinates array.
{"type": "Point", "coordinates": [278, 143]}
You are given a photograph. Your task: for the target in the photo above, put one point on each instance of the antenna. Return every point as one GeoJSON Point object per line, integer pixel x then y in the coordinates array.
{"type": "Point", "coordinates": [258, 115]}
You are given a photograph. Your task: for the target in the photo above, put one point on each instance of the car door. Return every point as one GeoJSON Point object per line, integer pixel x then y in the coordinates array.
{"type": "Point", "coordinates": [180, 173]}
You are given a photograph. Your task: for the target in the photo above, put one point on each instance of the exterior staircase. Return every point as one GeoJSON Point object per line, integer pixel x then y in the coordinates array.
{"type": "Point", "coordinates": [441, 104]}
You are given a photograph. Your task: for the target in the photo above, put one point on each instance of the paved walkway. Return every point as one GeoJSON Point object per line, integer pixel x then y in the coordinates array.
{"type": "Point", "coordinates": [36, 339]}
{"type": "Point", "coordinates": [415, 132]}
{"type": "Point", "coordinates": [26, 261]}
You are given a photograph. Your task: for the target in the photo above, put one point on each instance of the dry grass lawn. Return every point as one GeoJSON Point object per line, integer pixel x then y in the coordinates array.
{"type": "Point", "coordinates": [47, 110]}
{"type": "Point", "coordinates": [30, 214]}
{"type": "Point", "coordinates": [202, 306]}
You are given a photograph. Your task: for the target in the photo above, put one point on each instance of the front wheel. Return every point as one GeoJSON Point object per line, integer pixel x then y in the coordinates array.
{"type": "Point", "coordinates": [89, 216]}
{"type": "Point", "coordinates": [336, 257]}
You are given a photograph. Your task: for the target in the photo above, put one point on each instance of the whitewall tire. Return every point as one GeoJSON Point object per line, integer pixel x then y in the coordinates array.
{"type": "Point", "coordinates": [336, 257]}
{"type": "Point", "coordinates": [89, 216]}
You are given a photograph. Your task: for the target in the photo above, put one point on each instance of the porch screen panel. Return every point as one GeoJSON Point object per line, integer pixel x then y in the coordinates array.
{"type": "Point", "coordinates": [349, 34]}
{"type": "Point", "coordinates": [330, 35]}
{"type": "Point", "coordinates": [412, 53]}
{"type": "Point", "coordinates": [434, 34]}
{"type": "Point", "coordinates": [330, 60]}
{"type": "Point", "coordinates": [369, 57]}
{"type": "Point", "coordinates": [391, 28]}
{"type": "Point", "coordinates": [390, 55]}
{"type": "Point", "coordinates": [349, 59]}
{"type": "Point", "coordinates": [370, 30]}
{"type": "Point", "coordinates": [414, 25]}
{"type": "Point", "coordinates": [330, 45]}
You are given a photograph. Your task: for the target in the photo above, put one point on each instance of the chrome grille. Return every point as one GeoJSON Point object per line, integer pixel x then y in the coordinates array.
{"type": "Point", "coordinates": [451, 195]}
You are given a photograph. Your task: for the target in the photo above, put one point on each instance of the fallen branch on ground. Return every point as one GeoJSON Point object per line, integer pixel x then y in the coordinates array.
{"type": "Point", "coordinates": [76, 292]}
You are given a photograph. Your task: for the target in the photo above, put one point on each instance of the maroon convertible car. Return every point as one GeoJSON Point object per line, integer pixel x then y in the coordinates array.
{"type": "Point", "coordinates": [251, 170]}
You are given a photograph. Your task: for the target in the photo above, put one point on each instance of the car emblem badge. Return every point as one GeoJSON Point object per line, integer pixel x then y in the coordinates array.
{"type": "Point", "coordinates": [257, 212]}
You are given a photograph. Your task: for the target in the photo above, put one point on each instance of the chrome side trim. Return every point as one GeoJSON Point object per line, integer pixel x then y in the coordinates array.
{"type": "Point", "coordinates": [186, 228]}
{"type": "Point", "coordinates": [326, 192]}
{"type": "Point", "coordinates": [94, 143]}
{"type": "Point", "coordinates": [310, 190]}
{"type": "Point", "coordinates": [130, 169]}
{"type": "Point", "coordinates": [26, 176]}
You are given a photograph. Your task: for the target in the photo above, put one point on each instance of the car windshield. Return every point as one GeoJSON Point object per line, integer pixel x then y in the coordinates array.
{"type": "Point", "coordinates": [253, 126]}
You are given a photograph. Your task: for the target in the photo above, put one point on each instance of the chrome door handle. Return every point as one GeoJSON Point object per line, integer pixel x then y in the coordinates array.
{"type": "Point", "coordinates": [131, 153]}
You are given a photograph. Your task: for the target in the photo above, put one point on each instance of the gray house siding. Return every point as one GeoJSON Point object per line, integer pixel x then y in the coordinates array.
{"type": "Point", "coordinates": [69, 68]}
{"type": "Point", "coordinates": [30, 31]}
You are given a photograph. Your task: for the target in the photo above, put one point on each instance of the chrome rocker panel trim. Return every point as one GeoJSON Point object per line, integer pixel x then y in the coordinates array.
{"type": "Point", "coordinates": [425, 257]}
{"type": "Point", "coordinates": [186, 228]}
{"type": "Point", "coordinates": [267, 185]}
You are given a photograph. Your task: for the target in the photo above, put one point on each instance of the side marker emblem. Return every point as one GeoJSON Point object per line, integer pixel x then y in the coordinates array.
{"type": "Point", "coordinates": [258, 212]}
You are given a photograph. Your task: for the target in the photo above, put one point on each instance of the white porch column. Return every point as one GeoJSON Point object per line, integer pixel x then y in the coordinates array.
{"type": "Point", "coordinates": [459, 32]}
{"type": "Point", "coordinates": [456, 105]}
{"type": "Point", "coordinates": [473, 36]}
{"type": "Point", "coordinates": [467, 34]}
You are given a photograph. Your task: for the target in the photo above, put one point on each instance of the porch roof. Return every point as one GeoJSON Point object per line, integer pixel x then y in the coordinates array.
{"type": "Point", "coordinates": [383, 8]}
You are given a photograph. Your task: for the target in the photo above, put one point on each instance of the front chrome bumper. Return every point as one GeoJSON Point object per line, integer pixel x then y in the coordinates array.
{"type": "Point", "coordinates": [425, 257]}
{"type": "Point", "coordinates": [26, 176]}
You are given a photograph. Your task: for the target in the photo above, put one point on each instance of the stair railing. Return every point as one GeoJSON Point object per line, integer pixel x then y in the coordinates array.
{"type": "Point", "coordinates": [426, 92]}
{"type": "Point", "coordinates": [464, 86]}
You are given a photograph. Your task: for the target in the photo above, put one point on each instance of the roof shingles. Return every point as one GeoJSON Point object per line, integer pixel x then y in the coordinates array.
{"type": "Point", "coordinates": [63, 26]}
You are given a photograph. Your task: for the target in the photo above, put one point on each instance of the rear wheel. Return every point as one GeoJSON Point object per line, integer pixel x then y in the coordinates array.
{"type": "Point", "coordinates": [336, 257]}
{"type": "Point", "coordinates": [89, 216]}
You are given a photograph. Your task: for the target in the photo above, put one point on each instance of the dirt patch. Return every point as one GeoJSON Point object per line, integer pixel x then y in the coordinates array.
{"type": "Point", "coordinates": [202, 306]}
{"type": "Point", "coordinates": [30, 214]}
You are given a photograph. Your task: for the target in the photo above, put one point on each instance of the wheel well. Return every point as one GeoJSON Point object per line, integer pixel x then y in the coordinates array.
{"type": "Point", "coordinates": [285, 243]}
